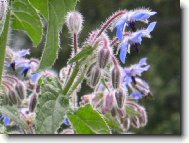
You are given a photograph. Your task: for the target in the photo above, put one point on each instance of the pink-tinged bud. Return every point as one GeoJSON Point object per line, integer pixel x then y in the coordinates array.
{"type": "Point", "coordinates": [3, 8]}
{"type": "Point", "coordinates": [143, 119]}
{"type": "Point", "coordinates": [95, 77]}
{"type": "Point", "coordinates": [116, 77]}
{"type": "Point", "coordinates": [108, 103]}
{"type": "Point", "coordinates": [74, 22]}
{"type": "Point", "coordinates": [120, 97]}
{"type": "Point", "coordinates": [140, 120]}
{"type": "Point", "coordinates": [33, 102]}
{"type": "Point", "coordinates": [14, 98]}
{"type": "Point", "coordinates": [121, 113]}
{"type": "Point", "coordinates": [113, 112]}
{"type": "Point", "coordinates": [103, 57]}
{"type": "Point", "coordinates": [68, 131]}
{"type": "Point", "coordinates": [86, 99]}
{"type": "Point", "coordinates": [135, 122]}
{"type": "Point", "coordinates": [126, 123]}
{"type": "Point", "coordinates": [21, 90]}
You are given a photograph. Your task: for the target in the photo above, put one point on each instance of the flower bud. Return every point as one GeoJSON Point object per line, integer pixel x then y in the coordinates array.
{"type": "Point", "coordinates": [135, 122]}
{"type": "Point", "coordinates": [21, 90]}
{"type": "Point", "coordinates": [121, 113]}
{"type": "Point", "coordinates": [33, 102]}
{"type": "Point", "coordinates": [143, 117]}
{"type": "Point", "coordinates": [74, 22]}
{"type": "Point", "coordinates": [120, 97]}
{"type": "Point", "coordinates": [108, 103]}
{"type": "Point", "coordinates": [3, 8]}
{"type": "Point", "coordinates": [68, 131]}
{"type": "Point", "coordinates": [126, 123]}
{"type": "Point", "coordinates": [103, 57]}
{"type": "Point", "coordinates": [113, 112]}
{"type": "Point", "coordinates": [14, 98]}
{"type": "Point", "coordinates": [116, 77]}
{"type": "Point", "coordinates": [95, 77]}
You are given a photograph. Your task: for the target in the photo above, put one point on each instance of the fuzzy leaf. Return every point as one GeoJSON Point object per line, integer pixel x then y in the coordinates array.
{"type": "Point", "coordinates": [83, 54]}
{"type": "Point", "coordinates": [54, 11]}
{"type": "Point", "coordinates": [3, 43]}
{"type": "Point", "coordinates": [51, 107]}
{"type": "Point", "coordinates": [113, 123]}
{"type": "Point", "coordinates": [88, 121]}
{"type": "Point", "coordinates": [24, 17]}
{"type": "Point", "coordinates": [12, 112]}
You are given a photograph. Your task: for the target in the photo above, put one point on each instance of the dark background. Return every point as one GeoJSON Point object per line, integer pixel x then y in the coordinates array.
{"type": "Point", "coordinates": [163, 52]}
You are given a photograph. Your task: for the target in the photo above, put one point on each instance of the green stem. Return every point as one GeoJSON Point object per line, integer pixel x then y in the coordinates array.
{"type": "Point", "coordinates": [79, 80]}
{"type": "Point", "coordinates": [3, 43]}
{"type": "Point", "coordinates": [71, 79]}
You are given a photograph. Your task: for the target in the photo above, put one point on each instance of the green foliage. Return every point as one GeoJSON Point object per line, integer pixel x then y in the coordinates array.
{"type": "Point", "coordinates": [51, 108]}
{"type": "Point", "coordinates": [82, 55]}
{"type": "Point", "coordinates": [113, 123]}
{"type": "Point", "coordinates": [24, 17]}
{"type": "Point", "coordinates": [54, 12]}
{"type": "Point", "coordinates": [3, 43]}
{"type": "Point", "coordinates": [88, 121]}
{"type": "Point", "coordinates": [13, 113]}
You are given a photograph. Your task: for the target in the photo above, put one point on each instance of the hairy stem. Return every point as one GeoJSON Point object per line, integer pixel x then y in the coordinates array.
{"type": "Point", "coordinates": [3, 43]}
{"type": "Point", "coordinates": [109, 22]}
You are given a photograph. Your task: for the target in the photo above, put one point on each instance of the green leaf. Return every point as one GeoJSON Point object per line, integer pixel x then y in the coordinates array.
{"type": "Point", "coordinates": [42, 6]}
{"type": "Point", "coordinates": [12, 112]}
{"type": "Point", "coordinates": [51, 108]}
{"type": "Point", "coordinates": [131, 112]}
{"type": "Point", "coordinates": [88, 121]}
{"type": "Point", "coordinates": [3, 43]}
{"type": "Point", "coordinates": [113, 123]}
{"type": "Point", "coordinates": [24, 17]}
{"type": "Point", "coordinates": [83, 54]}
{"type": "Point", "coordinates": [54, 11]}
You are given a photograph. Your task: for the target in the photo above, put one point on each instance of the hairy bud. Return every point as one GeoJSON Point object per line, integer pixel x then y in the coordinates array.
{"type": "Point", "coordinates": [108, 103]}
{"type": "Point", "coordinates": [33, 102]}
{"type": "Point", "coordinates": [120, 97]}
{"type": "Point", "coordinates": [3, 8]}
{"type": "Point", "coordinates": [143, 119]}
{"type": "Point", "coordinates": [103, 57]}
{"type": "Point", "coordinates": [116, 77]}
{"type": "Point", "coordinates": [74, 22]}
{"type": "Point", "coordinates": [95, 77]}
{"type": "Point", "coordinates": [21, 90]}
{"type": "Point", "coordinates": [126, 123]}
{"type": "Point", "coordinates": [14, 98]}
{"type": "Point", "coordinates": [140, 120]}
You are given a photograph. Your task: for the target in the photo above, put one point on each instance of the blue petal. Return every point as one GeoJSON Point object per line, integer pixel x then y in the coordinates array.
{"type": "Point", "coordinates": [7, 121]}
{"type": "Point", "coordinates": [66, 122]}
{"type": "Point", "coordinates": [123, 52]}
{"type": "Point", "coordinates": [23, 53]}
{"type": "Point", "coordinates": [136, 38]}
{"type": "Point", "coordinates": [142, 15]}
{"type": "Point", "coordinates": [136, 95]}
{"type": "Point", "coordinates": [150, 27]}
{"type": "Point", "coordinates": [142, 61]}
{"type": "Point", "coordinates": [119, 26]}
{"type": "Point", "coordinates": [35, 77]}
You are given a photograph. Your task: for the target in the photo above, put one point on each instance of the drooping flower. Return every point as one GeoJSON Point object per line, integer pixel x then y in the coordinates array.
{"type": "Point", "coordinates": [129, 19]}
{"type": "Point", "coordinates": [132, 77]}
{"type": "Point", "coordinates": [134, 38]}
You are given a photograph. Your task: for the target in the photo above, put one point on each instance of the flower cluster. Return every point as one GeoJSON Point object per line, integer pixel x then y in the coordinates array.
{"type": "Point", "coordinates": [116, 89]}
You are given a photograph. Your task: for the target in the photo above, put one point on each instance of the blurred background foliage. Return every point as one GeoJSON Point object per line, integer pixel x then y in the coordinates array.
{"type": "Point", "coordinates": [163, 52]}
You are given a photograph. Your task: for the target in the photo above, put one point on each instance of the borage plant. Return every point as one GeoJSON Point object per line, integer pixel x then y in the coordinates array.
{"type": "Point", "coordinates": [37, 100]}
